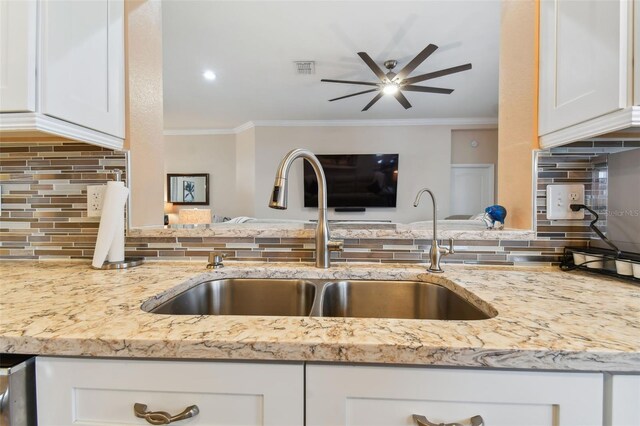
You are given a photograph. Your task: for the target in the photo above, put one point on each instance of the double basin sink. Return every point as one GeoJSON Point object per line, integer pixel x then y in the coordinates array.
{"type": "Point", "coordinates": [324, 298]}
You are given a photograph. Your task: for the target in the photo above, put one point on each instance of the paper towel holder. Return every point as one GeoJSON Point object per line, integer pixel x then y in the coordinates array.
{"type": "Point", "coordinates": [128, 262]}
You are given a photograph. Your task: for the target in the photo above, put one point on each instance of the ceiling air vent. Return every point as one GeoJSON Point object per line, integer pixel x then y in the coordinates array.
{"type": "Point", "coordinates": [305, 67]}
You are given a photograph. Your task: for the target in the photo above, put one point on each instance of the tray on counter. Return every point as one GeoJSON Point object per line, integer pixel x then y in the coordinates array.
{"type": "Point", "coordinates": [608, 259]}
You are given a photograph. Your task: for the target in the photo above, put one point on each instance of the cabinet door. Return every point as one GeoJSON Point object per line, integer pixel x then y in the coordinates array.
{"type": "Point", "coordinates": [100, 392]}
{"type": "Point", "coordinates": [17, 55]}
{"type": "Point", "coordinates": [584, 61]}
{"type": "Point", "coordinates": [622, 400]}
{"type": "Point", "coordinates": [82, 63]}
{"type": "Point", "coordinates": [389, 396]}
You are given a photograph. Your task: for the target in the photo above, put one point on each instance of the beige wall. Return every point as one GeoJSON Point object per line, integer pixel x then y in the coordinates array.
{"type": "Point", "coordinates": [213, 154]}
{"type": "Point", "coordinates": [485, 153]}
{"type": "Point", "coordinates": [245, 172]}
{"type": "Point", "coordinates": [144, 130]}
{"type": "Point", "coordinates": [425, 155]}
{"type": "Point", "coordinates": [248, 162]}
{"type": "Point", "coordinates": [518, 111]}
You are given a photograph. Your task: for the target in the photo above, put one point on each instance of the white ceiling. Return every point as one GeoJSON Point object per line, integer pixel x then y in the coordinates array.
{"type": "Point", "coordinates": [252, 46]}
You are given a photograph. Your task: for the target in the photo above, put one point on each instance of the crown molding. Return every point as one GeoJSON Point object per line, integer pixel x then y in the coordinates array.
{"type": "Point", "coordinates": [590, 129]}
{"type": "Point", "coordinates": [486, 122]}
{"type": "Point", "coordinates": [37, 122]}
{"type": "Point", "coordinates": [246, 126]}
{"type": "Point", "coordinates": [198, 132]}
{"type": "Point", "coordinates": [380, 123]}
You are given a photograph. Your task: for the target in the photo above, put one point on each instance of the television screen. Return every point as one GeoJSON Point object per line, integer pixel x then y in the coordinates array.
{"type": "Point", "coordinates": [358, 180]}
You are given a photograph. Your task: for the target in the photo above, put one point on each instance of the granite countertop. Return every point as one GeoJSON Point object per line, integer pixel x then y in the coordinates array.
{"type": "Point", "coordinates": [456, 229]}
{"type": "Point", "coordinates": [547, 319]}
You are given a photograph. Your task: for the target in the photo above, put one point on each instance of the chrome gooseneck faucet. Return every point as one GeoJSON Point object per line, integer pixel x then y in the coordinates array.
{"type": "Point", "coordinates": [324, 245]}
{"type": "Point", "coordinates": [436, 252]}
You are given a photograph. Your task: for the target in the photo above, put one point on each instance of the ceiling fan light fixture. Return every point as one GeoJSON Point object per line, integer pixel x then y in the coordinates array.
{"type": "Point", "coordinates": [390, 89]}
{"type": "Point", "coordinates": [395, 84]}
{"type": "Point", "coordinates": [209, 75]}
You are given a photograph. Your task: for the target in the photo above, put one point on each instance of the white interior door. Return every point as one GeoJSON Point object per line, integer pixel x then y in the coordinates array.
{"type": "Point", "coordinates": [471, 188]}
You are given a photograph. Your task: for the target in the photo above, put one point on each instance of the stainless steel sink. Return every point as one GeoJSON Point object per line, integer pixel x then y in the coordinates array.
{"type": "Point", "coordinates": [243, 297]}
{"type": "Point", "coordinates": [396, 299]}
{"type": "Point", "coordinates": [348, 298]}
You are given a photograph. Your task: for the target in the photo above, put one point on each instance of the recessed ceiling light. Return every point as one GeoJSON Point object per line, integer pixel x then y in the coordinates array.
{"type": "Point", "coordinates": [209, 75]}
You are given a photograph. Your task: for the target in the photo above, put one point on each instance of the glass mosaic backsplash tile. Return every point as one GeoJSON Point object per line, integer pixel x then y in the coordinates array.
{"type": "Point", "coordinates": [44, 215]}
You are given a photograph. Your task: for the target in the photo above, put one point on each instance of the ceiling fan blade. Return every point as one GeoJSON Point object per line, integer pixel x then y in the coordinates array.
{"type": "Point", "coordinates": [427, 89]}
{"type": "Point", "coordinates": [437, 74]}
{"type": "Point", "coordinates": [402, 99]}
{"type": "Point", "coordinates": [365, 83]}
{"type": "Point", "coordinates": [374, 67]}
{"type": "Point", "coordinates": [354, 94]}
{"type": "Point", "coordinates": [413, 64]}
{"type": "Point", "coordinates": [373, 101]}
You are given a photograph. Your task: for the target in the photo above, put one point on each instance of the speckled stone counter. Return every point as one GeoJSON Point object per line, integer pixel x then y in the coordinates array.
{"type": "Point", "coordinates": [547, 319]}
{"type": "Point", "coordinates": [456, 229]}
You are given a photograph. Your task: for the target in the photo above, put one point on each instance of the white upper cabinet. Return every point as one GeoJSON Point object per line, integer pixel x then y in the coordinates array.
{"type": "Point", "coordinates": [62, 65]}
{"type": "Point", "coordinates": [586, 69]}
{"type": "Point", "coordinates": [18, 56]}
{"type": "Point", "coordinates": [82, 45]}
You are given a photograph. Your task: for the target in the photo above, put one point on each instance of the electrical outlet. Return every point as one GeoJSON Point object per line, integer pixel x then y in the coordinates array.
{"type": "Point", "coordinates": [95, 196]}
{"type": "Point", "coordinates": [559, 197]}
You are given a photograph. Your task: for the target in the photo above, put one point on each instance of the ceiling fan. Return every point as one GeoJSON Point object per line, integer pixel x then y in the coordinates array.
{"type": "Point", "coordinates": [394, 84]}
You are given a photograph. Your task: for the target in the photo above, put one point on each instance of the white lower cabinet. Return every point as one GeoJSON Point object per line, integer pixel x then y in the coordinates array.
{"type": "Point", "coordinates": [390, 396]}
{"type": "Point", "coordinates": [622, 400]}
{"type": "Point", "coordinates": [88, 391]}
{"type": "Point", "coordinates": [83, 391]}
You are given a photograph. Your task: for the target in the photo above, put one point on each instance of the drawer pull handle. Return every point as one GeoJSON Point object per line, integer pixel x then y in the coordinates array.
{"type": "Point", "coordinates": [422, 421]}
{"type": "Point", "coordinates": [162, 417]}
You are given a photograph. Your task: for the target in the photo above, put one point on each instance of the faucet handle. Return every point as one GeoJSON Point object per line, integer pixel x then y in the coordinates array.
{"type": "Point", "coordinates": [335, 245]}
{"type": "Point", "coordinates": [447, 250]}
{"type": "Point", "coordinates": [215, 260]}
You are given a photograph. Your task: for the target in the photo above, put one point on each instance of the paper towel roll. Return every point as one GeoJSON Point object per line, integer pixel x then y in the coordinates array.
{"type": "Point", "coordinates": [110, 241]}
{"type": "Point", "coordinates": [116, 250]}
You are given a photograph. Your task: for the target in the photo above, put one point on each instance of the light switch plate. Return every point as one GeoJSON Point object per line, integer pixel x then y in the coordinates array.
{"type": "Point", "coordinates": [559, 197]}
{"type": "Point", "coordinates": [95, 195]}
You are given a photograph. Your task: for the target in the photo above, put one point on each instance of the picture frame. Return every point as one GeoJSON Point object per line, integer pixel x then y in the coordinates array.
{"type": "Point", "coordinates": [188, 189]}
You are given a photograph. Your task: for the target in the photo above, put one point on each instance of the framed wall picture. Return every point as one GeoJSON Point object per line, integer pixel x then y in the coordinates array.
{"type": "Point", "coordinates": [189, 189]}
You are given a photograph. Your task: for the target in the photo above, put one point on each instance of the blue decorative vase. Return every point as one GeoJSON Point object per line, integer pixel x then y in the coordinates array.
{"type": "Point", "coordinates": [493, 214]}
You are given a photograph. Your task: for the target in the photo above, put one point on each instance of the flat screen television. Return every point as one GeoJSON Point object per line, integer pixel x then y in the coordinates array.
{"type": "Point", "coordinates": [354, 180]}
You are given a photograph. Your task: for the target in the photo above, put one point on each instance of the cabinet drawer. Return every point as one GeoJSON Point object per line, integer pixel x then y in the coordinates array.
{"type": "Point", "coordinates": [346, 395]}
{"type": "Point", "coordinates": [95, 392]}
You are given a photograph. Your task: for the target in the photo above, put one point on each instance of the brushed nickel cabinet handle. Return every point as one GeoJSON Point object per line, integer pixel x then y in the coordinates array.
{"type": "Point", "coordinates": [162, 417]}
{"type": "Point", "coordinates": [422, 421]}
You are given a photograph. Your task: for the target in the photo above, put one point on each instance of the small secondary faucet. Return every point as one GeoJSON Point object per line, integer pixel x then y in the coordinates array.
{"type": "Point", "coordinates": [215, 260]}
{"type": "Point", "coordinates": [324, 244]}
{"type": "Point", "coordinates": [436, 252]}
